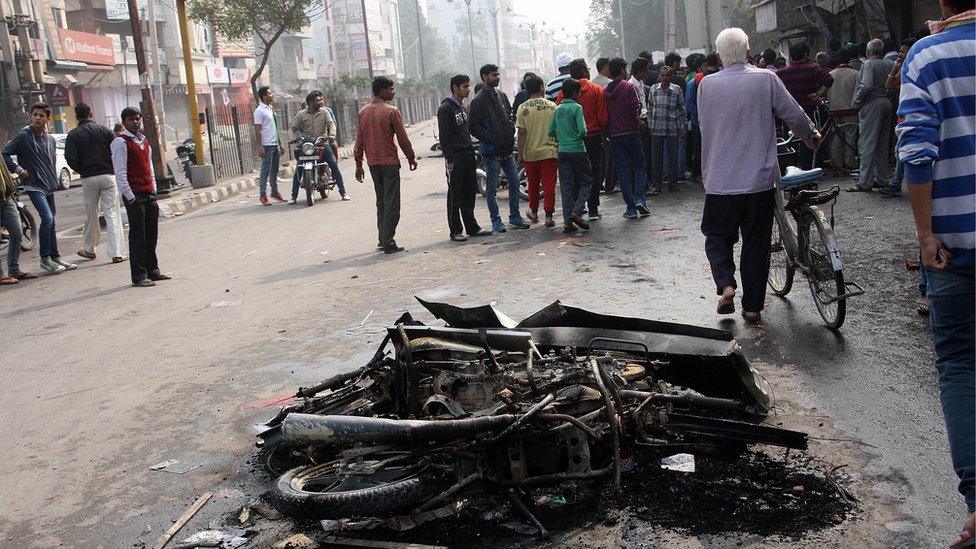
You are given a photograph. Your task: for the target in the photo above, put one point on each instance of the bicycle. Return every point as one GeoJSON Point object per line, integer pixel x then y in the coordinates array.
{"type": "Point", "coordinates": [828, 126]}
{"type": "Point", "coordinates": [803, 239]}
{"type": "Point", "coordinates": [28, 226]}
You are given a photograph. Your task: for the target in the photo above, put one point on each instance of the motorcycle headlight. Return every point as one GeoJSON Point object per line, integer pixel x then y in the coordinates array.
{"type": "Point", "coordinates": [308, 149]}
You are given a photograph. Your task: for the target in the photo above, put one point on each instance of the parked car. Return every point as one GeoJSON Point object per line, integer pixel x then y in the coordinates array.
{"type": "Point", "coordinates": [65, 174]}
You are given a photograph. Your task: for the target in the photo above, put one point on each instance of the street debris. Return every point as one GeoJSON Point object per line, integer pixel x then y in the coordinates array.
{"type": "Point", "coordinates": [213, 538]}
{"type": "Point", "coordinates": [367, 317]}
{"type": "Point", "coordinates": [355, 542]}
{"type": "Point", "coordinates": [398, 523]}
{"type": "Point", "coordinates": [170, 466]}
{"type": "Point", "coordinates": [298, 541]}
{"type": "Point", "coordinates": [182, 520]}
{"type": "Point", "coordinates": [220, 304]}
{"type": "Point", "coordinates": [684, 463]}
{"type": "Point", "coordinates": [249, 253]}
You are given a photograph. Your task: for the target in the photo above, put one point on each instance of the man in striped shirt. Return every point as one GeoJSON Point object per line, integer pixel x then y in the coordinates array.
{"type": "Point", "coordinates": [937, 143]}
{"type": "Point", "coordinates": [556, 84]}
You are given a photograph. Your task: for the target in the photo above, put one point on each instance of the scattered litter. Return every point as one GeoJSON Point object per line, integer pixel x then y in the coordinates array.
{"type": "Point", "coordinates": [170, 466]}
{"type": "Point", "coordinates": [213, 538]}
{"type": "Point", "coordinates": [354, 276]}
{"type": "Point", "coordinates": [439, 231]}
{"type": "Point", "coordinates": [664, 230]}
{"type": "Point", "coordinates": [561, 244]}
{"type": "Point", "coordinates": [355, 542]}
{"type": "Point", "coordinates": [177, 214]}
{"type": "Point", "coordinates": [298, 541]}
{"type": "Point", "coordinates": [866, 217]}
{"type": "Point", "coordinates": [480, 261]}
{"type": "Point", "coordinates": [684, 463]}
{"type": "Point", "coordinates": [229, 493]}
{"type": "Point", "coordinates": [265, 510]}
{"type": "Point", "coordinates": [541, 253]}
{"type": "Point", "coordinates": [519, 527]}
{"type": "Point", "coordinates": [399, 524]}
{"type": "Point", "coordinates": [248, 253]}
{"type": "Point", "coordinates": [325, 253]}
{"type": "Point", "coordinates": [245, 514]}
{"type": "Point", "coordinates": [218, 304]}
{"type": "Point", "coordinates": [836, 519]}
{"type": "Point", "coordinates": [367, 317]}
{"type": "Point", "coordinates": [283, 331]}
{"type": "Point", "coordinates": [184, 518]}
{"type": "Point", "coordinates": [242, 201]}
{"type": "Point", "coordinates": [163, 464]}
{"type": "Point", "coordinates": [627, 464]}
{"type": "Point", "coordinates": [308, 251]}
{"type": "Point", "coordinates": [554, 501]}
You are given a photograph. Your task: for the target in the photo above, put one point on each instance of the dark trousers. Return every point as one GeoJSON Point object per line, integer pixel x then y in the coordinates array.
{"type": "Point", "coordinates": [575, 183]}
{"type": "Point", "coordinates": [462, 186]}
{"type": "Point", "coordinates": [723, 218]}
{"type": "Point", "coordinates": [610, 173]}
{"type": "Point", "coordinates": [804, 154]}
{"type": "Point", "coordinates": [657, 160]}
{"type": "Point", "coordinates": [693, 151]}
{"type": "Point", "coordinates": [596, 153]}
{"type": "Point", "coordinates": [143, 215]}
{"type": "Point", "coordinates": [386, 182]}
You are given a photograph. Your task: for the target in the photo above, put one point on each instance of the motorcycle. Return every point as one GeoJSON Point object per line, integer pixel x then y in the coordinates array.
{"type": "Point", "coordinates": [315, 174]}
{"type": "Point", "coordinates": [28, 225]}
{"type": "Point", "coordinates": [481, 176]}
{"type": "Point", "coordinates": [187, 155]}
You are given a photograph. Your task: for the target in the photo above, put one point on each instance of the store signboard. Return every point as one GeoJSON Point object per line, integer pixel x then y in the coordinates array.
{"type": "Point", "coordinates": [87, 48]}
{"type": "Point", "coordinates": [119, 10]}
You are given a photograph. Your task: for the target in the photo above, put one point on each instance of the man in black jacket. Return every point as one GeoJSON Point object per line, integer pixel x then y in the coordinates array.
{"type": "Point", "coordinates": [491, 124]}
{"type": "Point", "coordinates": [87, 151]}
{"type": "Point", "coordinates": [455, 138]}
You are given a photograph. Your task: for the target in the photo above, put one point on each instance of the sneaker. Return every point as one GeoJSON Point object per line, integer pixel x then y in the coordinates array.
{"type": "Point", "coordinates": [278, 197]}
{"type": "Point", "coordinates": [265, 201]}
{"type": "Point", "coordinates": [67, 266]}
{"type": "Point", "coordinates": [144, 283]}
{"type": "Point", "coordinates": [532, 215]}
{"type": "Point", "coordinates": [593, 216]}
{"type": "Point", "coordinates": [550, 222]}
{"type": "Point", "coordinates": [653, 191]}
{"type": "Point", "coordinates": [890, 192]}
{"type": "Point", "coordinates": [518, 223]}
{"type": "Point", "coordinates": [51, 266]}
{"type": "Point", "coordinates": [569, 229]}
{"type": "Point", "coordinates": [346, 198]}
{"type": "Point", "coordinates": [85, 253]}
{"type": "Point", "coordinates": [293, 201]}
{"type": "Point", "coordinates": [481, 232]}
{"type": "Point", "coordinates": [392, 249]}
{"type": "Point", "coordinates": [642, 211]}
{"type": "Point", "coordinates": [497, 226]}
{"type": "Point", "coordinates": [631, 213]}
{"type": "Point", "coordinates": [578, 220]}
{"type": "Point", "coordinates": [458, 238]}
{"type": "Point", "coordinates": [119, 259]}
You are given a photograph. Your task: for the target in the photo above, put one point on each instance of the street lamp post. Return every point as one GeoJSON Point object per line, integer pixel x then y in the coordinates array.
{"type": "Point", "coordinates": [420, 43]}
{"type": "Point", "coordinates": [494, 18]}
{"type": "Point", "coordinates": [474, 68]}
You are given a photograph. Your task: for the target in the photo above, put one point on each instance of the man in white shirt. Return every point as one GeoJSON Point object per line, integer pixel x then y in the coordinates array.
{"type": "Point", "coordinates": [269, 145]}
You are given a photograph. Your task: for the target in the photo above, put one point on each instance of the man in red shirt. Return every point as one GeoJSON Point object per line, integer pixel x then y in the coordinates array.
{"type": "Point", "coordinates": [378, 122]}
{"type": "Point", "coordinates": [594, 102]}
{"type": "Point", "coordinates": [808, 83]}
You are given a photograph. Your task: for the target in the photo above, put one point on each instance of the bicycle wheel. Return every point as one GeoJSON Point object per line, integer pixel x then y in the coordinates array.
{"type": "Point", "coordinates": [781, 268]}
{"type": "Point", "coordinates": [826, 284]}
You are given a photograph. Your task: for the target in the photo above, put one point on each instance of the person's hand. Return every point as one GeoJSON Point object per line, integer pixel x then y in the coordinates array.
{"type": "Point", "coordinates": [815, 96]}
{"type": "Point", "coordinates": [413, 164]}
{"type": "Point", "coordinates": [261, 152]}
{"type": "Point", "coordinates": [23, 174]}
{"type": "Point", "coordinates": [816, 140]}
{"type": "Point", "coordinates": [360, 174]}
{"type": "Point", "coordinates": [281, 149]}
{"type": "Point", "coordinates": [335, 149]}
{"type": "Point", "coordinates": [934, 254]}
{"type": "Point", "coordinates": [641, 124]}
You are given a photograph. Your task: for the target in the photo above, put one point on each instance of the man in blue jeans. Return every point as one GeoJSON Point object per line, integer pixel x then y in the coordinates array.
{"type": "Point", "coordinates": [35, 166]}
{"type": "Point", "coordinates": [269, 145]}
{"type": "Point", "coordinates": [314, 122]}
{"type": "Point", "coordinates": [624, 109]}
{"type": "Point", "coordinates": [491, 124]}
{"type": "Point", "coordinates": [936, 143]}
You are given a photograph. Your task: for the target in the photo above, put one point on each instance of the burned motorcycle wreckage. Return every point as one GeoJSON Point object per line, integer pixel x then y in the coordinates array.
{"type": "Point", "coordinates": [487, 405]}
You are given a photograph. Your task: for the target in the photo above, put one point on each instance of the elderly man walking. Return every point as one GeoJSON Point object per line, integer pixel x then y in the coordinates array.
{"type": "Point", "coordinates": [874, 119]}
{"type": "Point", "coordinates": [740, 173]}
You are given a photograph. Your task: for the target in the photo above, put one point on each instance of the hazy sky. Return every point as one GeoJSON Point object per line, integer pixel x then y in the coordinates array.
{"type": "Point", "coordinates": [571, 14]}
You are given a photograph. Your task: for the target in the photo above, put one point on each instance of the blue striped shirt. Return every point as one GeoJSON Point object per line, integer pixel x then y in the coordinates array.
{"type": "Point", "coordinates": [937, 134]}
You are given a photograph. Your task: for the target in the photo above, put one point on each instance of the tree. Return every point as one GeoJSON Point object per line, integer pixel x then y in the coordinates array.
{"type": "Point", "coordinates": [264, 20]}
{"type": "Point", "coordinates": [437, 53]}
{"type": "Point", "coordinates": [643, 27]}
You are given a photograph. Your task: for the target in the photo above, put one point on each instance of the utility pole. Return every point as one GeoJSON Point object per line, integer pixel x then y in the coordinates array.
{"type": "Point", "coordinates": [474, 68]}
{"type": "Point", "coordinates": [420, 44]}
{"type": "Point", "coordinates": [158, 76]}
{"type": "Point", "coordinates": [671, 23]}
{"type": "Point", "coordinates": [191, 85]}
{"type": "Point", "coordinates": [369, 49]}
{"type": "Point", "coordinates": [146, 105]}
{"type": "Point", "coordinates": [623, 43]}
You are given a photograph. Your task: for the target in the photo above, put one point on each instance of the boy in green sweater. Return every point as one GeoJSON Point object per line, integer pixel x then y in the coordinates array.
{"type": "Point", "coordinates": [575, 175]}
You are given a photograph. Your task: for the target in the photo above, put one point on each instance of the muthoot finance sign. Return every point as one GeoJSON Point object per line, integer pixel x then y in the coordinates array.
{"type": "Point", "coordinates": [88, 48]}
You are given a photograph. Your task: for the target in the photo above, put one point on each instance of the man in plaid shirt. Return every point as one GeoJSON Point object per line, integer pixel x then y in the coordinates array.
{"type": "Point", "coordinates": [666, 121]}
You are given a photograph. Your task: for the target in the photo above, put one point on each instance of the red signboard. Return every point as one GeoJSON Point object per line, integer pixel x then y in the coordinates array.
{"type": "Point", "coordinates": [86, 47]}
{"type": "Point", "coordinates": [57, 95]}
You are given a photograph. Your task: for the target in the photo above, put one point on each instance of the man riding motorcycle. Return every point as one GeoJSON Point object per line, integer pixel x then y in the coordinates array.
{"type": "Point", "coordinates": [314, 122]}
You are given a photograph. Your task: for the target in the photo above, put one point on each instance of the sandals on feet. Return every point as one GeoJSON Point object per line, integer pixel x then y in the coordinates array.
{"type": "Point", "coordinates": [8, 280]}
{"type": "Point", "coordinates": [752, 317]}
{"type": "Point", "coordinates": [726, 304]}
{"type": "Point", "coordinates": [857, 189]}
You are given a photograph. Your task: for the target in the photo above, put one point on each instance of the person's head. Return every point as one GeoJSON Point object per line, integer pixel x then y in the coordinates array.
{"type": "Point", "coordinates": [478, 87]}
{"type": "Point", "coordinates": [460, 86]}
{"type": "Point", "coordinates": [384, 88]}
{"type": "Point", "coordinates": [711, 63]}
{"type": "Point", "coordinates": [571, 88]}
{"type": "Point", "coordinates": [82, 112]}
{"type": "Point", "coordinates": [862, 50]}
{"type": "Point", "coordinates": [843, 56]}
{"type": "Point", "coordinates": [562, 62]}
{"type": "Point", "coordinates": [906, 45]}
{"type": "Point", "coordinates": [314, 100]}
{"type": "Point", "coordinates": [769, 57]}
{"type": "Point", "coordinates": [694, 62]}
{"type": "Point", "coordinates": [131, 119]}
{"type": "Point", "coordinates": [834, 45]}
{"type": "Point", "coordinates": [618, 68]}
{"type": "Point", "coordinates": [646, 55]}
{"type": "Point", "coordinates": [955, 7]}
{"type": "Point", "coordinates": [889, 45]}
{"type": "Point", "coordinates": [800, 52]}
{"type": "Point", "coordinates": [601, 66]}
{"type": "Point", "coordinates": [40, 115]}
{"type": "Point", "coordinates": [875, 48]}
{"type": "Point", "coordinates": [118, 129]}
{"type": "Point", "coordinates": [265, 95]}
{"type": "Point", "coordinates": [535, 86]}
{"type": "Point", "coordinates": [672, 60]}
{"type": "Point", "coordinates": [525, 78]}
{"type": "Point", "coordinates": [780, 62]}
{"type": "Point", "coordinates": [664, 76]}
{"type": "Point", "coordinates": [490, 75]}
{"type": "Point", "coordinates": [822, 58]}
{"type": "Point", "coordinates": [639, 68]}
{"type": "Point", "coordinates": [578, 69]}
{"type": "Point", "coordinates": [732, 46]}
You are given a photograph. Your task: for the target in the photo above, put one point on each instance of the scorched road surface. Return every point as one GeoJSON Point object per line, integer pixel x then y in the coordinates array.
{"type": "Point", "coordinates": [102, 380]}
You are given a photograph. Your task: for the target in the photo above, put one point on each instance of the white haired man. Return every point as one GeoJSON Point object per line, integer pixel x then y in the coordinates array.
{"type": "Point", "coordinates": [739, 174]}
{"type": "Point", "coordinates": [874, 119]}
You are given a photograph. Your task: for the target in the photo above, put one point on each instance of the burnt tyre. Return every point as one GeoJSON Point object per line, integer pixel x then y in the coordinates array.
{"type": "Point", "coordinates": [374, 487]}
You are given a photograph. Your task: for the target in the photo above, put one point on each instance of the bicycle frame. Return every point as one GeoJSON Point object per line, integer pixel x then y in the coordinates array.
{"type": "Point", "coordinates": [795, 247]}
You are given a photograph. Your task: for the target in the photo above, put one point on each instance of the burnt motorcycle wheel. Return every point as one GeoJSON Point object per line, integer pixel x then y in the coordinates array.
{"type": "Point", "coordinates": [372, 488]}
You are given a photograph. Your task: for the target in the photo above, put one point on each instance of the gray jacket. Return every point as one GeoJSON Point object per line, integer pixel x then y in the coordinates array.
{"type": "Point", "coordinates": [871, 82]}
{"type": "Point", "coordinates": [36, 154]}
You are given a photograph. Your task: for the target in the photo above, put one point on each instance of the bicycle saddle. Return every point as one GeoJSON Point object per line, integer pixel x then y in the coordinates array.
{"type": "Point", "coordinates": [795, 177]}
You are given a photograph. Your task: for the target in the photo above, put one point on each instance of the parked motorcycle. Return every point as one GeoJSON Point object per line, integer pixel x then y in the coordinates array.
{"type": "Point", "coordinates": [27, 224]}
{"type": "Point", "coordinates": [315, 174]}
{"type": "Point", "coordinates": [481, 175]}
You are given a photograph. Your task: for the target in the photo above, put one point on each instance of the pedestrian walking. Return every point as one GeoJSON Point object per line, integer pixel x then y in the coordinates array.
{"type": "Point", "coordinates": [737, 107]}
{"type": "Point", "coordinates": [36, 155]}
{"type": "Point", "coordinates": [537, 149]}
{"type": "Point", "coordinates": [313, 122]}
{"type": "Point", "coordinates": [10, 220]}
{"type": "Point", "coordinates": [594, 103]}
{"type": "Point", "coordinates": [874, 119]}
{"type": "Point", "coordinates": [459, 161]}
{"type": "Point", "coordinates": [491, 124]}
{"type": "Point", "coordinates": [667, 125]}
{"type": "Point", "coordinates": [88, 151]}
{"type": "Point", "coordinates": [134, 176]}
{"type": "Point", "coordinates": [554, 86]}
{"type": "Point", "coordinates": [624, 110]}
{"type": "Point", "coordinates": [575, 176]}
{"type": "Point", "coordinates": [379, 121]}
{"type": "Point", "coordinates": [936, 141]}
{"type": "Point", "coordinates": [269, 147]}
{"type": "Point", "coordinates": [840, 97]}
{"type": "Point", "coordinates": [807, 82]}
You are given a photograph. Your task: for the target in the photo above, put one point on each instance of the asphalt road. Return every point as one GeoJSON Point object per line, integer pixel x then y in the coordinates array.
{"type": "Point", "coordinates": [102, 380]}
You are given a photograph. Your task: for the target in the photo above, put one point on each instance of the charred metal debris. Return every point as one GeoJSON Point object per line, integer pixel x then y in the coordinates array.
{"type": "Point", "coordinates": [488, 405]}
